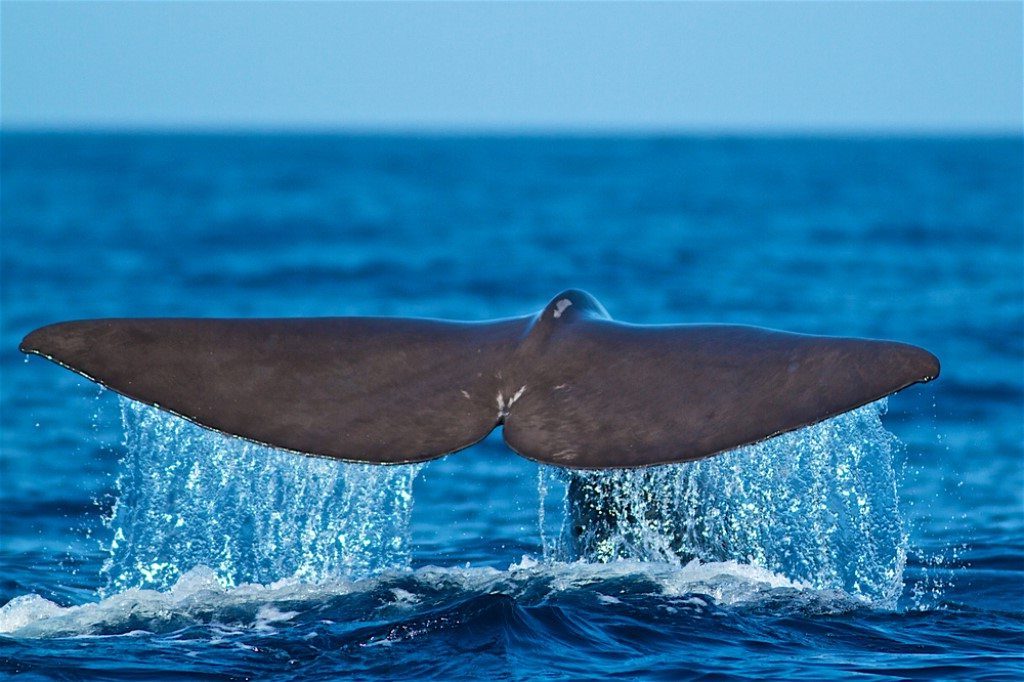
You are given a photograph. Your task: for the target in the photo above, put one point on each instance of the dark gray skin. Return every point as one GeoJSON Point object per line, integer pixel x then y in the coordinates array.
{"type": "Point", "coordinates": [571, 386]}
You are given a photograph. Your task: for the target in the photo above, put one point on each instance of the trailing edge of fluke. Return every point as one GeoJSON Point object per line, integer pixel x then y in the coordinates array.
{"type": "Point", "coordinates": [571, 386]}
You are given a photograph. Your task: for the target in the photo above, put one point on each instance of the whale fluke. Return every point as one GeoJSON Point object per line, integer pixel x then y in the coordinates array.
{"type": "Point", "coordinates": [359, 389]}
{"type": "Point", "coordinates": [571, 386]}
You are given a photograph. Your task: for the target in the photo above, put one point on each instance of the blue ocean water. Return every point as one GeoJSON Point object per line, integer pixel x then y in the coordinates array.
{"type": "Point", "coordinates": [888, 542]}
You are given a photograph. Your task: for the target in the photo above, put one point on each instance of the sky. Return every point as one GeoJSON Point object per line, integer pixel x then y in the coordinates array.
{"type": "Point", "coordinates": [718, 67]}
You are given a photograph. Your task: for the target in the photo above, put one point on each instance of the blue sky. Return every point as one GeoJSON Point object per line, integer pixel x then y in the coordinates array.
{"type": "Point", "coordinates": [917, 67]}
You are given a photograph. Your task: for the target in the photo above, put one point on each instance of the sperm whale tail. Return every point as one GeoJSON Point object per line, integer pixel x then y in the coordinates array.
{"type": "Point", "coordinates": [571, 386]}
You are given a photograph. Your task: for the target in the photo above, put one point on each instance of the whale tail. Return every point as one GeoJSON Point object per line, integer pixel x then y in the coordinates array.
{"type": "Point", "coordinates": [571, 386]}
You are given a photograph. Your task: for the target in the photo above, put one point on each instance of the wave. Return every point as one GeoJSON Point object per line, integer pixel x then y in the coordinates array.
{"type": "Point", "coordinates": [201, 598]}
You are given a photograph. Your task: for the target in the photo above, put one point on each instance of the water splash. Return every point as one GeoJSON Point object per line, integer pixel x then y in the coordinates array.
{"type": "Point", "coordinates": [200, 599]}
{"type": "Point", "coordinates": [818, 505]}
{"type": "Point", "coordinates": [188, 497]}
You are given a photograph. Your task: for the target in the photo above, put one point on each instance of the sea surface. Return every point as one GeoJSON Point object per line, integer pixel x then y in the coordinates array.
{"type": "Point", "coordinates": [885, 543]}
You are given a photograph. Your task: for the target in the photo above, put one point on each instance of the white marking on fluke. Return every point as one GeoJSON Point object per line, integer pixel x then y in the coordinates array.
{"type": "Point", "coordinates": [503, 406]}
{"type": "Point", "coordinates": [560, 307]}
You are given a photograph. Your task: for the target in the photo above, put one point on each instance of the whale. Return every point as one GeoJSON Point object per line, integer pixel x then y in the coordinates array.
{"type": "Point", "coordinates": [569, 385]}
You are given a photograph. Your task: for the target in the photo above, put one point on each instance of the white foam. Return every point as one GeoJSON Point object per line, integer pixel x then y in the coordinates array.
{"type": "Point", "coordinates": [199, 597]}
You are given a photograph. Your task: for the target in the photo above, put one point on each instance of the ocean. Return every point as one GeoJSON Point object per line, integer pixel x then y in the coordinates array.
{"type": "Point", "coordinates": [885, 543]}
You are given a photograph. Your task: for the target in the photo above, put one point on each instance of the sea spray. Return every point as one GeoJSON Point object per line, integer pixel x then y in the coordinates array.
{"type": "Point", "coordinates": [188, 497]}
{"type": "Point", "coordinates": [425, 598]}
{"type": "Point", "coordinates": [818, 505]}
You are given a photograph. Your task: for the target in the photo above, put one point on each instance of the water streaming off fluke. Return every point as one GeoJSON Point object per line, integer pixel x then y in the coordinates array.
{"type": "Point", "coordinates": [191, 497]}
{"type": "Point", "coordinates": [818, 505]}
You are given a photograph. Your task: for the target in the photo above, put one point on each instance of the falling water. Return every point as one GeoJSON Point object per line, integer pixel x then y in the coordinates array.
{"type": "Point", "coordinates": [190, 497]}
{"type": "Point", "coordinates": [818, 505]}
